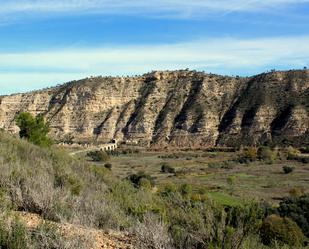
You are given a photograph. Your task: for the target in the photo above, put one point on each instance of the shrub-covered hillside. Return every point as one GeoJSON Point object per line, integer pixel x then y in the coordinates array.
{"type": "Point", "coordinates": [59, 188]}
{"type": "Point", "coordinates": [51, 183]}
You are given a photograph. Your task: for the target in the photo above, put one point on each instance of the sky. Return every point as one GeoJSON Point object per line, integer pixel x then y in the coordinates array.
{"type": "Point", "coordinates": [48, 42]}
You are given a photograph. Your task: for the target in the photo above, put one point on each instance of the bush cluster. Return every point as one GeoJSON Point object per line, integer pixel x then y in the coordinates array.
{"type": "Point", "coordinates": [283, 230]}
{"type": "Point", "coordinates": [267, 154]}
{"type": "Point", "coordinates": [98, 156]}
{"type": "Point", "coordinates": [108, 166]}
{"type": "Point", "coordinates": [262, 153]}
{"type": "Point", "coordinates": [288, 169]}
{"type": "Point", "coordinates": [166, 168]}
{"type": "Point", "coordinates": [248, 154]}
{"type": "Point", "coordinates": [141, 180]}
{"type": "Point", "coordinates": [297, 208]}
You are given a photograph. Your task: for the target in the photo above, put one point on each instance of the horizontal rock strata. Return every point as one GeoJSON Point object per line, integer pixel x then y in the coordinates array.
{"type": "Point", "coordinates": [175, 108]}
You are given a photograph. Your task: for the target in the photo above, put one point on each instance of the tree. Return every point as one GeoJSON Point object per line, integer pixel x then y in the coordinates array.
{"type": "Point", "coordinates": [34, 129]}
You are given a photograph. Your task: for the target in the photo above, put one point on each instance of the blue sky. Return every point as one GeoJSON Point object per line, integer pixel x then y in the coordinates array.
{"type": "Point", "coordinates": [47, 42]}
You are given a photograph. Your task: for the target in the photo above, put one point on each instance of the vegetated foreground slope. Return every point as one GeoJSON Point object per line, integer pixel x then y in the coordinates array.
{"type": "Point", "coordinates": [58, 188]}
{"type": "Point", "coordinates": [176, 108]}
{"type": "Point", "coordinates": [76, 201]}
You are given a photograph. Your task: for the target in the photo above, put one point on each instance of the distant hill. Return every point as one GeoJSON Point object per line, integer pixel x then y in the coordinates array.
{"type": "Point", "coordinates": [175, 108]}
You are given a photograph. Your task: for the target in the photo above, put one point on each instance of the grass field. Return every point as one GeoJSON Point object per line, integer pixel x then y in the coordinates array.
{"type": "Point", "coordinates": [219, 173]}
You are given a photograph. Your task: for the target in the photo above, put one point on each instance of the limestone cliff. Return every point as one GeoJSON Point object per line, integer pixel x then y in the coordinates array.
{"type": "Point", "coordinates": [176, 108]}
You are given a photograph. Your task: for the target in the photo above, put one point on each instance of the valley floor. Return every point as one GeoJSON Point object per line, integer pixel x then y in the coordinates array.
{"type": "Point", "coordinates": [226, 180]}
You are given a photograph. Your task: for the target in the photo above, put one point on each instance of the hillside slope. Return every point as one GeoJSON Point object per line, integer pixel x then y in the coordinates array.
{"type": "Point", "coordinates": [178, 108]}
{"type": "Point", "coordinates": [49, 187]}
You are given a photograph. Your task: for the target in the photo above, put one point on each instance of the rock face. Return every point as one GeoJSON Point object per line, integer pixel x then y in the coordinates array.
{"type": "Point", "coordinates": [178, 108]}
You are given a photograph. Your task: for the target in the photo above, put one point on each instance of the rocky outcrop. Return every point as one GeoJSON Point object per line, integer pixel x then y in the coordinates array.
{"type": "Point", "coordinates": [175, 108]}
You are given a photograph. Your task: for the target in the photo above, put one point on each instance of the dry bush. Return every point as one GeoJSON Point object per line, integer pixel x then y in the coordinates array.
{"type": "Point", "coordinates": [152, 233]}
{"type": "Point", "coordinates": [51, 183]}
{"type": "Point", "coordinates": [49, 236]}
{"type": "Point", "coordinates": [297, 192]}
{"type": "Point", "coordinates": [99, 213]}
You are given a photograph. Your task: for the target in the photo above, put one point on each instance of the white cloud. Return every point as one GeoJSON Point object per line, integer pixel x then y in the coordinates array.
{"type": "Point", "coordinates": [218, 55]}
{"type": "Point", "coordinates": [22, 82]}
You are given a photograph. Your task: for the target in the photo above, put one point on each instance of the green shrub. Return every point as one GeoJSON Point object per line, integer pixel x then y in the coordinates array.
{"type": "Point", "coordinates": [145, 183]}
{"type": "Point", "coordinates": [283, 230]}
{"type": "Point", "coordinates": [166, 168]}
{"type": "Point", "coordinates": [168, 189]}
{"type": "Point", "coordinates": [248, 154]}
{"type": "Point", "coordinates": [101, 173]}
{"type": "Point", "coordinates": [186, 189]}
{"type": "Point", "coordinates": [98, 156]}
{"type": "Point", "coordinates": [297, 208]}
{"type": "Point", "coordinates": [204, 224]}
{"type": "Point", "coordinates": [34, 129]}
{"type": "Point", "coordinates": [14, 235]}
{"type": "Point", "coordinates": [76, 185]}
{"type": "Point", "coordinates": [136, 179]}
{"type": "Point", "coordinates": [241, 222]}
{"type": "Point", "coordinates": [70, 181]}
{"type": "Point", "coordinates": [232, 180]}
{"type": "Point", "coordinates": [288, 169]}
{"type": "Point", "coordinates": [267, 154]}
{"type": "Point", "coordinates": [134, 202]}
{"type": "Point", "coordinates": [108, 166]}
